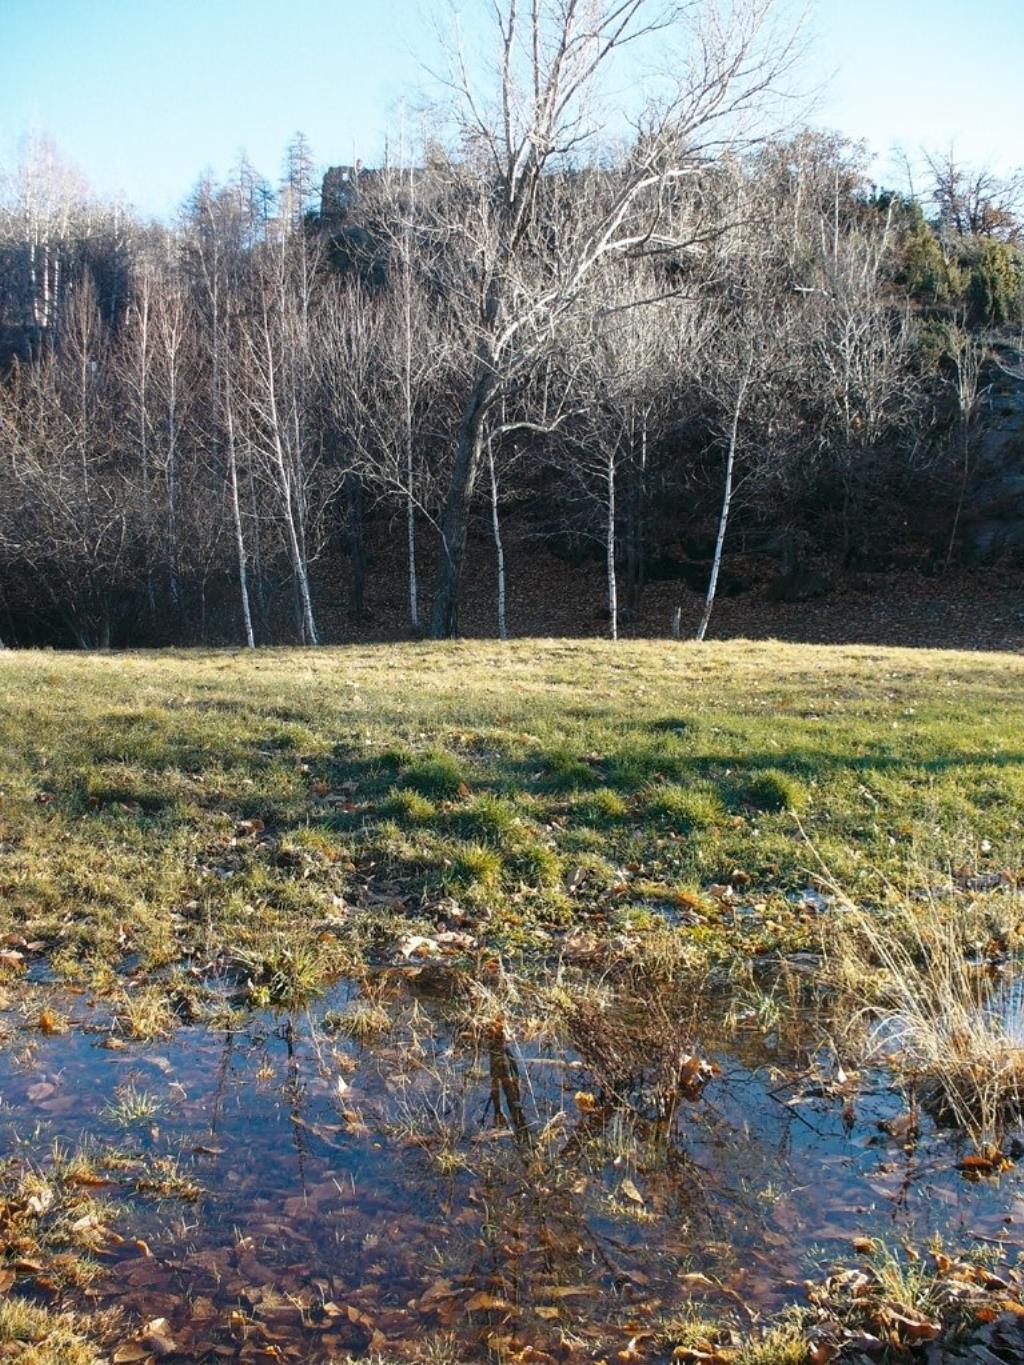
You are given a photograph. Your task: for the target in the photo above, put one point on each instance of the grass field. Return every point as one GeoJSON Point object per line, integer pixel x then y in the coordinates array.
{"type": "Point", "coordinates": [609, 851]}
{"type": "Point", "coordinates": [185, 806]}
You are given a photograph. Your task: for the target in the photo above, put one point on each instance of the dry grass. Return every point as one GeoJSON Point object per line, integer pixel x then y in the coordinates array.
{"type": "Point", "coordinates": [940, 995]}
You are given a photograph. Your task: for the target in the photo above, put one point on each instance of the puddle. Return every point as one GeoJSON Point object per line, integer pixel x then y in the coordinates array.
{"type": "Point", "coordinates": [362, 1196]}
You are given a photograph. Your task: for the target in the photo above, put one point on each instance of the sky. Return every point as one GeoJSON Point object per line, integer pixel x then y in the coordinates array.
{"type": "Point", "coordinates": [143, 95]}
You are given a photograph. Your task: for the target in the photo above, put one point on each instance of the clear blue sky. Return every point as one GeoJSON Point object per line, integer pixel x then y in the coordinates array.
{"type": "Point", "coordinates": [143, 94]}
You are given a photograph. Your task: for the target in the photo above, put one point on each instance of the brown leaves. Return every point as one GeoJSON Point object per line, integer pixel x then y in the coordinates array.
{"type": "Point", "coordinates": [705, 1353]}
{"type": "Point", "coordinates": [129, 1352]}
{"type": "Point", "coordinates": [151, 1342]}
{"type": "Point", "coordinates": [693, 1075]}
{"type": "Point", "coordinates": [903, 1126]}
{"type": "Point", "coordinates": [486, 1302]}
{"type": "Point", "coordinates": [989, 1161]}
{"type": "Point", "coordinates": [50, 1022]}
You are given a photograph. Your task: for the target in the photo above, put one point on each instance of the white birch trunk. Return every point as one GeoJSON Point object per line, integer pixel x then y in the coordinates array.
{"type": "Point", "coordinates": [723, 520]}
{"type": "Point", "coordinates": [499, 550]}
{"type": "Point", "coordinates": [613, 587]}
{"type": "Point", "coordinates": [172, 479]}
{"type": "Point", "coordinates": [236, 514]}
{"type": "Point", "coordinates": [410, 501]}
{"type": "Point", "coordinates": [299, 567]}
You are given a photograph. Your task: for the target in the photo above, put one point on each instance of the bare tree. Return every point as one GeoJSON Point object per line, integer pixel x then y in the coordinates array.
{"type": "Point", "coordinates": [280, 427]}
{"type": "Point", "coordinates": [619, 375]}
{"type": "Point", "coordinates": [966, 356]}
{"type": "Point", "coordinates": [973, 201]}
{"type": "Point", "coordinates": [531, 267]}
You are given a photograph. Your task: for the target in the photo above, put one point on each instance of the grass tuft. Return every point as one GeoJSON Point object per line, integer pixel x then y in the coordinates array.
{"type": "Point", "coordinates": [474, 868]}
{"type": "Point", "coordinates": [683, 808]}
{"type": "Point", "coordinates": [437, 774]}
{"type": "Point", "coordinates": [773, 791]}
{"type": "Point", "coordinates": [564, 770]}
{"type": "Point", "coordinates": [931, 1007]}
{"type": "Point", "coordinates": [409, 806]}
{"type": "Point", "coordinates": [601, 807]}
{"type": "Point", "coordinates": [490, 819]}
{"type": "Point", "coordinates": [534, 864]}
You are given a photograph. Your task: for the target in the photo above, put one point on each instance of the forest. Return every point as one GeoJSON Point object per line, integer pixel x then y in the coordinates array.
{"type": "Point", "coordinates": [708, 339]}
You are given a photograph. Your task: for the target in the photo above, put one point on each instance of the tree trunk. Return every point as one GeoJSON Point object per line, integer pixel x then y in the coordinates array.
{"type": "Point", "coordinates": [613, 592]}
{"type": "Point", "coordinates": [258, 578]}
{"type": "Point", "coordinates": [723, 520]}
{"type": "Point", "coordinates": [499, 550]}
{"type": "Point", "coordinates": [635, 525]}
{"type": "Point", "coordinates": [291, 506]}
{"type": "Point", "coordinates": [410, 537]}
{"type": "Point", "coordinates": [444, 616]}
{"type": "Point", "coordinates": [236, 516]}
{"type": "Point", "coordinates": [965, 475]}
{"type": "Point", "coordinates": [356, 546]}
{"type": "Point", "coordinates": [172, 489]}
{"type": "Point", "coordinates": [407, 435]}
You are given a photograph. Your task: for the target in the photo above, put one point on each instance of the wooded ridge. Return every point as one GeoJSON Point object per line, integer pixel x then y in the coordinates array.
{"type": "Point", "coordinates": [706, 352]}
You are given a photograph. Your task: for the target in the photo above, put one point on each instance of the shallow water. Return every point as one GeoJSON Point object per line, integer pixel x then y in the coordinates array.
{"type": "Point", "coordinates": [358, 1196]}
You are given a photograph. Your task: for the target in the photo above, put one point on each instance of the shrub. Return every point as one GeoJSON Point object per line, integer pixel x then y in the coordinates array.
{"type": "Point", "coordinates": [683, 808]}
{"type": "Point", "coordinates": [996, 283]}
{"type": "Point", "coordinates": [435, 774]}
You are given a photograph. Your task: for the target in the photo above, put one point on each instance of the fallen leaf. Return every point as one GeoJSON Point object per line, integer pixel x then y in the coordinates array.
{"type": "Point", "coordinates": [631, 1192]}
{"type": "Point", "coordinates": [483, 1301]}
{"type": "Point", "coordinates": [130, 1352]}
{"type": "Point", "coordinates": [698, 1281]}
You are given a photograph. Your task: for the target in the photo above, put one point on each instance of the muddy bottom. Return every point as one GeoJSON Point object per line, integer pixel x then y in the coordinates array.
{"type": "Point", "coordinates": [324, 1195]}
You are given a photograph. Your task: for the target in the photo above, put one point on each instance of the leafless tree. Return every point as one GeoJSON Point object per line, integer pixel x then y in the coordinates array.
{"type": "Point", "coordinates": [276, 352]}
{"type": "Point", "coordinates": [516, 136]}
{"type": "Point", "coordinates": [974, 200]}
{"type": "Point", "coordinates": [966, 355]}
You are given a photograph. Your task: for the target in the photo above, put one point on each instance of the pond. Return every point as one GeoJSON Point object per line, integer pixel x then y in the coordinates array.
{"type": "Point", "coordinates": [369, 1172]}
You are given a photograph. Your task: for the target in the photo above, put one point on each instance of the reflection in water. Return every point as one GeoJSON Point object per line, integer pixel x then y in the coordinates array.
{"type": "Point", "coordinates": [359, 1196]}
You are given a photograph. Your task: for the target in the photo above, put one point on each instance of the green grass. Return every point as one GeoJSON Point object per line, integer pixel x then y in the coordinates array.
{"type": "Point", "coordinates": [409, 806]}
{"type": "Point", "coordinates": [188, 806]}
{"type": "Point", "coordinates": [435, 774]}
{"type": "Point", "coordinates": [774, 791]}
{"type": "Point", "coordinates": [684, 809]}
